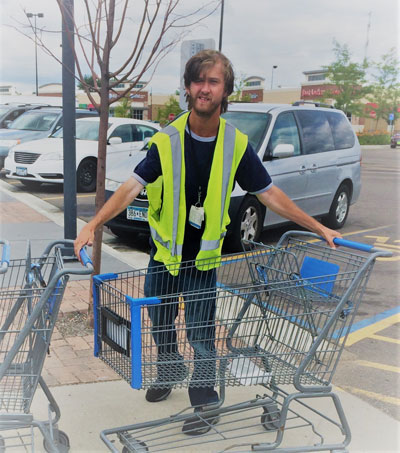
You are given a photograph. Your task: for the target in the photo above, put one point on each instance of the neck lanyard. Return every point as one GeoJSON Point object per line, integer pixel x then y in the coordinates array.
{"type": "Point", "coordinates": [196, 166]}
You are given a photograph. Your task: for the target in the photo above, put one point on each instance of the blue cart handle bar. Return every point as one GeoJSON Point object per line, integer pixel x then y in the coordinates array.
{"type": "Point", "coordinates": [358, 246]}
{"type": "Point", "coordinates": [85, 257]}
{"type": "Point", "coordinates": [5, 257]}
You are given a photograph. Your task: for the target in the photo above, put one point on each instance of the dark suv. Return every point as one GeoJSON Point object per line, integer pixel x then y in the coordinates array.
{"type": "Point", "coordinates": [33, 125]}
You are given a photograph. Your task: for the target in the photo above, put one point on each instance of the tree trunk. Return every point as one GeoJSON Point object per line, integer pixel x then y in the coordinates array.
{"type": "Point", "coordinates": [100, 185]}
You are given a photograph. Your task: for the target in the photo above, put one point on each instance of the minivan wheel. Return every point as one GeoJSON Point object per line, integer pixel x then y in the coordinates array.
{"type": "Point", "coordinates": [247, 226]}
{"type": "Point", "coordinates": [86, 175]}
{"type": "Point", "coordinates": [339, 208]}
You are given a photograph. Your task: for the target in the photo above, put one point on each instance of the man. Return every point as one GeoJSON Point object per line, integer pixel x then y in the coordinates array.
{"type": "Point", "coordinates": [189, 172]}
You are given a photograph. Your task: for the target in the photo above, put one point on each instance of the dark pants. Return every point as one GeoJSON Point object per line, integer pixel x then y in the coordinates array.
{"type": "Point", "coordinates": [193, 285]}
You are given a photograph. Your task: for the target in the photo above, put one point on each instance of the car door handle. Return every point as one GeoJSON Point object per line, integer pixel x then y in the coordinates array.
{"type": "Point", "coordinates": [302, 169]}
{"type": "Point", "coordinates": [313, 168]}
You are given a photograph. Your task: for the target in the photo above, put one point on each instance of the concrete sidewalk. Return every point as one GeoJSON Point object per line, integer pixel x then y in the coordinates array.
{"type": "Point", "coordinates": [91, 396]}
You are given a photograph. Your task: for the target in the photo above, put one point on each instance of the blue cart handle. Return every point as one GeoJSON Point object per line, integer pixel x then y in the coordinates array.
{"type": "Point", "coordinates": [354, 245]}
{"type": "Point", "coordinates": [5, 257]}
{"type": "Point", "coordinates": [85, 258]}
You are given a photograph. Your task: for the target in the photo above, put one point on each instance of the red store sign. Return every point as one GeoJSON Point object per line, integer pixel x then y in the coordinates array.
{"type": "Point", "coordinates": [315, 91]}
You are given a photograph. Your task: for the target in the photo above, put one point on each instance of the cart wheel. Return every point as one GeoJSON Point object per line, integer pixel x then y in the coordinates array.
{"type": "Point", "coordinates": [62, 442]}
{"type": "Point", "coordinates": [271, 417]}
{"type": "Point", "coordinates": [2, 445]}
{"type": "Point", "coordinates": [135, 446]}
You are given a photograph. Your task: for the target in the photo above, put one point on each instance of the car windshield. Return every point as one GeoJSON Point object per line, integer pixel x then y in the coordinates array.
{"type": "Point", "coordinates": [253, 124]}
{"type": "Point", "coordinates": [4, 109]}
{"type": "Point", "coordinates": [85, 130]}
{"type": "Point", "coordinates": [35, 121]}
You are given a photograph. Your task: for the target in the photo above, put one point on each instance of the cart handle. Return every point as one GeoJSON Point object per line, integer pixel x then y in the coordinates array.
{"type": "Point", "coordinates": [359, 246]}
{"type": "Point", "coordinates": [85, 258]}
{"type": "Point", "coordinates": [5, 257]}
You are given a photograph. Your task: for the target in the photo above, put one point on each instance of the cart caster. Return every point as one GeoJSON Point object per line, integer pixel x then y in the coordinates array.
{"type": "Point", "coordinates": [2, 445]}
{"type": "Point", "coordinates": [270, 419]}
{"type": "Point", "coordinates": [61, 440]}
{"type": "Point", "coordinates": [135, 446]}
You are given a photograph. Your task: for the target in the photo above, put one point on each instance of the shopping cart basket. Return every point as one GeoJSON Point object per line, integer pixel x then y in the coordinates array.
{"type": "Point", "coordinates": [30, 297]}
{"type": "Point", "coordinates": [281, 319]}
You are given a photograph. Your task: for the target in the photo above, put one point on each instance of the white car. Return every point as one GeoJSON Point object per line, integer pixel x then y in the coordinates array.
{"type": "Point", "coordinates": [41, 161]}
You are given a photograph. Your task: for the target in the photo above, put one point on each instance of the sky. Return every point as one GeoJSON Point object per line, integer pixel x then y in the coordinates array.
{"type": "Point", "coordinates": [294, 35]}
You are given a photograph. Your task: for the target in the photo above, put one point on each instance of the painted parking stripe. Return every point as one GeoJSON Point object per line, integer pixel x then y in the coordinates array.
{"type": "Point", "coordinates": [378, 366]}
{"type": "Point", "coordinates": [368, 327]}
{"type": "Point", "coordinates": [372, 395]}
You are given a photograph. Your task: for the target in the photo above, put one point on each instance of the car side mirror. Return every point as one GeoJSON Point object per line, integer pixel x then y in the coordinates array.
{"type": "Point", "coordinates": [115, 141]}
{"type": "Point", "coordinates": [283, 150]}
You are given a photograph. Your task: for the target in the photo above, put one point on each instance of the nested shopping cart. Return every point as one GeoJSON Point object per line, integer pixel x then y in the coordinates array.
{"type": "Point", "coordinates": [31, 292]}
{"type": "Point", "coordinates": [280, 318]}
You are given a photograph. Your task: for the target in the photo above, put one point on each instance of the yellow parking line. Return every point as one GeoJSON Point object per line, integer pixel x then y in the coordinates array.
{"type": "Point", "coordinates": [373, 395]}
{"type": "Point", "coordinates": [367, 331]}
{"type": "Point", "coordinates": [387, 339]}
{"type": "Point", "coordinates": [61, 197]}
{"type": "Point", "coordinates": [379, 366]}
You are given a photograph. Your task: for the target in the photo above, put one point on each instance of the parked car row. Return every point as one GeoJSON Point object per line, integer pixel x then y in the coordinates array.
{"type": "Point", "coordinates": [41, 161]}
{"type": "Point", "coordinates": [311, 153]}
{"type": "Point", "coordinates": [34, 124]}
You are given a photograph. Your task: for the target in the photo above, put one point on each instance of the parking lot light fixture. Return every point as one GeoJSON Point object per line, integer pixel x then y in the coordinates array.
{"type": "Point", "coordinates": [272, 75]}
{"type": "Point", "coordinates": [35, 15]}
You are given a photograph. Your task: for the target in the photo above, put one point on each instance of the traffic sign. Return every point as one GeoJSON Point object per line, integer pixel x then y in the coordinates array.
{"type": "Point", "coordinates": [391, 116]}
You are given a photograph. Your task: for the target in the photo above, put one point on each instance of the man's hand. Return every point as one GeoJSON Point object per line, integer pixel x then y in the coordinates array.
{"type": "Point", "coordinates": [85, 237]}
{"type": "Point", "coordinates": [329, 235]}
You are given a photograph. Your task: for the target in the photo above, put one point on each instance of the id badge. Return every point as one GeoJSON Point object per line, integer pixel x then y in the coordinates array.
{"type": "Point", "coordinates": [196, 216]}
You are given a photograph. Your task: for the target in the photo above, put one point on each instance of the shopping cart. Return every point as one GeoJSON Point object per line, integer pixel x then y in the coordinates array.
{"type": "Point", "coordinates": [282, 315]}
{"type": "Point", "coordinates": [30, 297]}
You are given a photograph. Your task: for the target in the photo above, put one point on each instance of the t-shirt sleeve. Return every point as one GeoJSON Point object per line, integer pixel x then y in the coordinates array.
{"type": "Point", "coordinates": [149, 169]}
{"type": "Point", "coordinates": [251, 174]}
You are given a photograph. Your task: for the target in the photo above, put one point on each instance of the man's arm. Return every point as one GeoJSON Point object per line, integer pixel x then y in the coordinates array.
{"type": "Point", "coordinates": [116, 204]}
{"type": "Point", "coordinates": [276, 200]}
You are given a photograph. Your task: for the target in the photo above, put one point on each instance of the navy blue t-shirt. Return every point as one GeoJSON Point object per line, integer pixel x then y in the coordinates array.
{"type": "Point", "coordinates": [251, 176]}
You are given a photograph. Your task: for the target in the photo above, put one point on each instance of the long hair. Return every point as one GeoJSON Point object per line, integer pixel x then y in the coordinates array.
{"type": "Point", "coordinates": [203, 60]}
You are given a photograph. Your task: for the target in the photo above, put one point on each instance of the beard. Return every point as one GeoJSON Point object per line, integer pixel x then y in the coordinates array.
{"type": "Point", "coordinates": [205, 113]}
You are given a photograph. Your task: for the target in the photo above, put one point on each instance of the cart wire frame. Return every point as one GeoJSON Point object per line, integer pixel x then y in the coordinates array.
{"type": "Point", "coordinates": [282, 315]}
{"type": "Point", "coordinates": [31, 292]}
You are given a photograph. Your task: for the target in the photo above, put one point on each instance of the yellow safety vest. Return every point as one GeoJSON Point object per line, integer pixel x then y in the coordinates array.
{"type": "Point", "coordinates": [167, 199]}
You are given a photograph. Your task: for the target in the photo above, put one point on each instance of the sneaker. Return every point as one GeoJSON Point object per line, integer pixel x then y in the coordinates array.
{"type": "Point", "coordinates": [162, 387]}
{"type": "Point", "coordinates": [155, 394]}
{"type": "Point", "coordinates": [200, 423]}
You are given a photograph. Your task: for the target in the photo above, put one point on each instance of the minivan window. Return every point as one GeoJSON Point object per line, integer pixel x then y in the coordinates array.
{"type": "Point", "coordinates": [254, 125]}
{"type": "Point", "coordinates": [285, 132]}
{"type": "Point", "coordinates": [34, 121]}
{"type": "Point", "coordinates": [317, 135]}
{"type": "Point", "coordinates": [342, 132]}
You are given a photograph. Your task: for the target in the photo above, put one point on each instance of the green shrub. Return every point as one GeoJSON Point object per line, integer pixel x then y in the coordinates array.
{"type": "Point", "coordinates": [374, 138]}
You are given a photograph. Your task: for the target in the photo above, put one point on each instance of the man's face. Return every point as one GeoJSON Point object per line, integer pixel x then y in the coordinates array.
{"type": "Point", "coordinates": [206, 93]}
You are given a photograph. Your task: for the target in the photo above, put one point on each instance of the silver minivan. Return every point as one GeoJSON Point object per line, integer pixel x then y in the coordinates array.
{"type": "Point", "coordinates": [311, 153]}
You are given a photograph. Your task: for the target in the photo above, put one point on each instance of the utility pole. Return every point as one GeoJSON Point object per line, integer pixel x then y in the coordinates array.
{"type": "Point", "coordinates": [221, 26]}
{"type": "Point", "coordinates": [30, 15]}
{"type": "Point", "coordinates": [68, 91]}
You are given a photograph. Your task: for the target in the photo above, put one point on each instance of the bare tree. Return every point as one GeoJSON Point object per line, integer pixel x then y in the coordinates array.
{"type": "Point", "coordinates": [155, 27]}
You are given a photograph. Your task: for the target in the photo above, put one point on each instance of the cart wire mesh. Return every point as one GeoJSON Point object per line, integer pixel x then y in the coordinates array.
{"type": "Point", "coordinates": [278, 315]}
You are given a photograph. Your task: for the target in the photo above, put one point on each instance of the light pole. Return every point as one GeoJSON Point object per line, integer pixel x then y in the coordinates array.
{"type": "Point", "coordinates": [30, 15]}
{"type": "Point", "coordinates": [272, 75]}
{"type": "Point", "coordinates": [221, 26]}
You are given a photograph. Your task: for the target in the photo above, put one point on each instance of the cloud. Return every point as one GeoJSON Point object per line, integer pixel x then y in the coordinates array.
{"type": "Point", "coordinates": [296, 36]}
